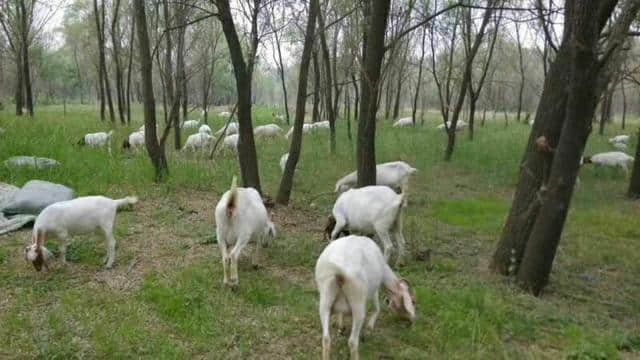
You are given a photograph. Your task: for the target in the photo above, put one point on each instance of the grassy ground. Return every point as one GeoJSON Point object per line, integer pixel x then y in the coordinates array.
{"type": "Point", "coordinates": [164, 298]}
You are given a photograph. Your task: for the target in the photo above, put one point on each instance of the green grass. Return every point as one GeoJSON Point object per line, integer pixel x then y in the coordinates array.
{"type": "Point", "coordinates": [165, 299]}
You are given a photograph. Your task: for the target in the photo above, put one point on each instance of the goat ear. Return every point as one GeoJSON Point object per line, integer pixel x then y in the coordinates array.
{"type": "Point", "coordinates": [408, 297]}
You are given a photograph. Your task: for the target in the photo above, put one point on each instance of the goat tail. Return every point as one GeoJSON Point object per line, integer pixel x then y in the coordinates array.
{"type": "Point", "coordinates": [272, 229]}
{"type": "Point", "coordinates": [129, 200]}
{"type": "Point", "coordinates": [233, 197]}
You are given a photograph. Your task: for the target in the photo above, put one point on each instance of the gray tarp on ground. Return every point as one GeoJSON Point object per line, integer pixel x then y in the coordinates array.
{"type": "Point", "coordinates": [31, 161]}
{"type": "Point", "coordinates": [34, 196]}
{"type": "Point", "coordinates": [7, 192]}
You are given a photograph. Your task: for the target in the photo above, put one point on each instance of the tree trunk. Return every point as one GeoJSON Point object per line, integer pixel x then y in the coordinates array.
{"type": "Point", "coordinates": [19, 91]}
{"type": "Point", "coordinates": [246, 143]}
{"type": "Point", "coordinates": [472, 116]}
{"type": "Point", "coordinates": [180, 79]}
{"type": "Point", "coordinates": [96, 12]}
{"type": "Point", "coordinates": [634, 184]}
{"type": "Point", "coordinates": [26, 67]}
{"type": "Point", "coordinates": [522, 74]}
{"type": "Point", "coordinates": [155, 150]}
{"type": "Point", "coordinates": [540, 251]}
{"type": "Point", "coordinates": [284, 192]}
{"type": "Point", "coordinates": [129, 66]}
{"type": "Point", "coordinates": [281, 73]}
{"type": "Point", "coordinates": [417, 94]}
{"type": "Point", "coordinates": [315, 117]}
{"type": "Point", "coordinates": [328, 96]}
{"type": "Point", "coordinates": [115, 40]}
{"type": "Point", "coordinates": [387, 97]}
{"type": "Point", "coordinates": [356, 100]}
{"type": "Point", "coordinates": [396, 103]}
{"type": "Point", "coordinates": [624, 104]}
{"type": "Point", "coordinates": [369, 77]}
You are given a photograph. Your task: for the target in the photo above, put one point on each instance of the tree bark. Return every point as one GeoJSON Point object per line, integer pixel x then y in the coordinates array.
{"type": "Point", "coordinates": [634, 183]}
{"type": "Point", "coordinates": [129, 66]}
{"type": "Point", "coordinates": [328, 95]}
{"type": "Point", "coordinates": [315, 114]}
{"type": "Point", "coordinates": [369, 84]}
{"type": "Point", "coordinates": [356, 100]}
{"type": "Point", "coordinates": [116, 42]}
{"type": "Point", "coordinates": [96, 12]}
{"type": "Point", "coordinates": [19, 91]}
{"type": "Point", "coordinates": [521, 68]}
{"type": "Point", "coordinates": [417, 93]}
{"type": "Point", "coordinates": [401, 77]}
{"type": "Point", "coordinates": [556, 197]}
{"type": "Point", "coordinates": [624, 104]}
{"type": "Point", "coordinates": [246, 144]}
{"type": "Point", "coordinates": [155, 150]}
{"type": "Point", "coordinates": [26, 67]}
{"type": "Point", "coordinates": [284, 192]}
{"type": "Point", "coordinates": [281, 73]}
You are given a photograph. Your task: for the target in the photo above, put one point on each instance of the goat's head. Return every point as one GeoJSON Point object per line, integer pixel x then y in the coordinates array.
{"type": "Point", "coordinates": [126, 144]}
{"type": "Point", "coordinates": [586, 160]}
{"type": "Point", "coordinates": [328, 229]}
{"type": "Point", "coordinates": [81, 141]}
{"type": "Point", "coordinates": [402, 300]}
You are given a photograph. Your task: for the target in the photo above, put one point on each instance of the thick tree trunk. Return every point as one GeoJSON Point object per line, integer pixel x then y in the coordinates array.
{"type": "Point", "coordinates": [369, 77]}
{"type": "Point", "coordinates": [284, 192]}
{"type": "Point", "coordinates": [540, 251]}
{"type": "Point", "coordinates": [634, 184]}
{"type": "Point", "coordinates": [246, 143]}
{"type": "Point", "coordinates": [328, 95]}
{"type": "Point", "coordinates": [155, 150]}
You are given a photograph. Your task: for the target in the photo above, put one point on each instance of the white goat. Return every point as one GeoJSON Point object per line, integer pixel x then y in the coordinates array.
{"type": "Point", "coordinates": [407, 121]}
{"type": "Point", "coordinates": [393, 174]}
{"type": "Point", "coordinates": [306, 128]}
{"type": "Point", "coordinates": [269, 130]}
{"type": "Point", "coordinates": [198, 141]}
{"type": "Point", "coordinates": [204, 128]}
{"type": "Point", "coordinates": [224, 114]}
{"type": "Point", "coordinates": [610, 159]}
{"type": "Point", "coordinates": [460, 125]}
{"type": "Point", "coordinates": [190, 124]}
{"type": "Point", "coordinates": [321, 125]}
{"type": "Point", "coordinates": [98, 139]}
{"type": "Point", "coordinates": [240, 217]}
{"type": "Point", "coordinates": [370, 210]}
{"type": "Point", "coordinates": [619, 139]}
{"type": "Point", "coordinates": [135, 140]}
{"type": "Point", "coordinates": [620, 146]}
{"type": "Point", "coordinates": [231, 129]}
{"type": "Point", "coordinates": [78, 216]}
{"type": "Point", "coordinates": [349, 272]}
{"type": "Point", "coordinates": [141, 128]}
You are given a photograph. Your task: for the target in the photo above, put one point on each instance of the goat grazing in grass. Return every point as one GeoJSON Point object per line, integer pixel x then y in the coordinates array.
{"type": "Point", "coordinates": [135, 140]}
{"type": "Point", "coordinates": [240, 217]}
{"type": "Point", "coordinates": [369, 210]}
{"type": "Point", "coordinates": [393, 174]}
{"type": "Point", "coordinates": [78, 216]}
{"type": "Point", "coordinates": [610, 159]}
{"type": "Point", "coordinates": [348, 273]}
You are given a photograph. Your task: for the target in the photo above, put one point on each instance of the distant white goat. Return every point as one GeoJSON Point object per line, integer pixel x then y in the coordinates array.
{"type": "Point", "coordinates": [610, 159]}
{"type": "Point", "coordinates": [460, 125]}
{"type": "Point", "coordinates": [369, 210]}
{"type": "Point", "coordinates": [231, 142]}
{"type": "Point", "coordinates": [624, 139]}
{"type": "Point", "coordinates": [190, 124]}
{"type": "Point", "coordinates": [321, 125]}
{"type": "Point", "coordinates": [269, 130]}
{"type": "Point", "coordinates": [620, 146]}
{"type": "Point", "coordinates": [348, 273]}
{"type": "Point", "coordinates": [141, 128]}
{"type": "Point", "coordinates": [78, 216]}
{"type": "Point", "coordinates": [198, 141]}
{"type": "Point", "coordinates": [278, 117]}
{"type": "Point", "coordinates": [204, 128]}
{"type": "Point", "coordinates": [224, 114]}
{"type": "Point", "coordinates": [240, 217]}
{"type": "Point", "coordinates": [135, 140]}
{"type": "Point", "coordinates": [407, 121]}
{"type": "Point", "coordinates": [393, 174]}
{"type": "Point", "coordinates": [306, 128]}
{"type": "Point", "coordinates": [98, 139]}
{"type": "Point", "coordinates": [231, 129]}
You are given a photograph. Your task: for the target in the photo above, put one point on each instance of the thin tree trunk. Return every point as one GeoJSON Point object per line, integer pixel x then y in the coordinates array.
{"type": "Point", "coordinates": [284, 192]}
{"type": "Point", "coordinates": [282, 79]}
{"type": "Point", "coordinates": [634, 183]}
{"type": "Point", "coordinates": [522, 71]}
{"type": "Point", "coordinates": [129, 66]}
{"type": "Point", "coordinates": [624, 104]}
{"type": "Point", "coordinates": [417, 93]}
{"type": "Point", "coordinates": [328, 95]}
{"type": "Point", "coordinates": [155, 150]}
{"type": "Point", "coordinates": [370, 76]}
{"type": "Point", "coordinates": [19, 91]}
{"type": "Point", "coordinates": [315, 117]}
{"type": "Point", "coordinates": [107, 83]}
{"type": "Point", "coordinates": [116, 42]}
{"type": "Point", "coordinates": [100, 60]}
{"type": "Point", "coordinates": [396, 104]}
{"type": "Point", "coordinates": [356, 101]}
{"type": "Point", "coordinates": [26, 67]}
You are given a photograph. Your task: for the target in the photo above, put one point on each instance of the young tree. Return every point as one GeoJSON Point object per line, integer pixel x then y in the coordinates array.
{"type": "Point", "coordinates": [105, 87]}
{"type": "Point", "coordinates": [284, 192]}
{"type": "Point", "coordinates": [243, 71]}
{"type": "Point", "coordinates": [634, 184]}
{"type": "Point", "coordinates": [155, 149]}
{"type": "Point", "coordinates": [416, 95]}
{"type": "Point", "coordinates": [374, 49]}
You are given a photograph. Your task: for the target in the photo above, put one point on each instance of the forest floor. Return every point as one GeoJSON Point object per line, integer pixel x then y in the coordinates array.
{"type": "Point", "coordinates": [165, 299]}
